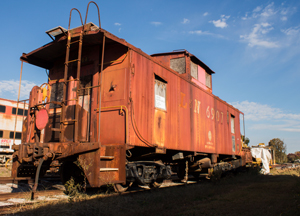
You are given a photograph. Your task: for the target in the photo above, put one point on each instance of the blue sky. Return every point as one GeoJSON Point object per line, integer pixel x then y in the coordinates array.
{"type": "Point", "coordinates": [253, 46]}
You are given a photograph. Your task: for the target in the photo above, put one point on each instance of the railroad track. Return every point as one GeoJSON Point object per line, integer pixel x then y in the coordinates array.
{"type": "Point", "coordinates": [25, 195]}
{"type": "Point", "coordinates": [12, 207]}
{"type": "Point", "coordinates": [4, 180]}
{"type": "Point", "coordinates": [19, 207]}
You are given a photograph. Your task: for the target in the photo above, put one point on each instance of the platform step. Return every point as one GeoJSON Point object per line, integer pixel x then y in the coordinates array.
{"type": "Point", "coordinates": [55, 129]}
{"type": "Point", "coordinates": [107, 157]}
{"type": "Point", "coordinates": [108, 169]}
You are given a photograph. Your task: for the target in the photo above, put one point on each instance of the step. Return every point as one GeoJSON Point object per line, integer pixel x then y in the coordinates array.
{"type": "Point", "coordinates": [55, 129]}
{"type": "Point", "coordinates": [108, 169]}
{"type": "Point", "coordinates": [107, 157]}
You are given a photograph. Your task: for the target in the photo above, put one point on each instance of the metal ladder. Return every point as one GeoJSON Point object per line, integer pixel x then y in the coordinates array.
{"type": "Point", "coordinates": [63, 122]}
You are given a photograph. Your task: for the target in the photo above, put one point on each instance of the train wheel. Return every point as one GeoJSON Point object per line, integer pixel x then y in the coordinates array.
{"type": "Point", "coordinates": [155, 184]}
{"type": "Point", "coordinates": [119, 188]}
{"type": "Point", "coordinates": [181, 172]}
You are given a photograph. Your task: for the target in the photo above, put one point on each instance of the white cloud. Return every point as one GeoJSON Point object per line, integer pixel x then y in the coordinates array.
{"type": "Point", "coordinates": [270, 118]}
{"type": "Point", "coordinates": [221, 23]}
{"type": "Point", "coordinates": [199, 32]}
{"type": "Point", "coordinates": [156, 23]}
{"type": "Point", "coordinates": [245, 17]}
{"type": "Point", "coordinates": [185, 21]}
{"type": "Point", "coordinates": [12, 87]}
{"type": "Point", "coordinates": [205, 14]}
{"type": "Point", "coordinates": [257, 9]}
{"type": "Point", "coordinates": [257, 36]}
{"type": "Point", "coordinates": [268, 10]}
{"type": "Point", "coordinates": [257, 112]}
{"type": "Point", "coordinates": [288, 127]}
{"type": "Point", "coordinates": [292, 31]}
{"type": "Point", "coordinates": [118, 24]}
{"type": "Point", "coordinates": [284, 11]}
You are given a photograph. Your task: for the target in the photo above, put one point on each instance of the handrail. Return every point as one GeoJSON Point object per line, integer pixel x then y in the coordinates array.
{"type": "Point", "coordinates": [87, 10]}
{"type": "Point", "coordinates": [71, 16]}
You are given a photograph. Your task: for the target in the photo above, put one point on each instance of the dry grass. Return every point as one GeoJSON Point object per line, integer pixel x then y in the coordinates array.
{"type": "Point", "coordinates": [245, 193]}
{"type": "Point", "coordinates": [291, 171]}
{"type": "Point", "coordinates": [5, 172]}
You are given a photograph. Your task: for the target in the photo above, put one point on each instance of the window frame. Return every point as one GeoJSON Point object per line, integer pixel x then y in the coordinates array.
{"type": "Point", "coordinates": [232, 124]}
{"type": "Point", "coordinates": [185, 64]}
{"type": "Point", "coordinates": [164, 82]}
{"type": "Point", "coordinates": [192, 64]}
{"type": "Point", "coordinates": [210, 84]}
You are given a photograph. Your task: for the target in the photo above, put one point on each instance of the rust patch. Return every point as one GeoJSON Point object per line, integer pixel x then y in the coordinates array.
{"type": "Point", "coordinates": [159, 121]}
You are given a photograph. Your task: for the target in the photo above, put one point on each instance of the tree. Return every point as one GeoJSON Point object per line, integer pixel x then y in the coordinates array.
{"type": "Point", "coordinates": [246, 140]}
{"type": "Point", "coordinates": [291, 157]}
{"type": "Point", "coordinates": [280, 150]}
{"type": "Point", "coordinates": [297, 153]}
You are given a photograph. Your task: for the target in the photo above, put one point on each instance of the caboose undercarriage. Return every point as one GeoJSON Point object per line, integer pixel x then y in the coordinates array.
{"type": "Point", "coordinates": [84, 121]}
{"type": "Point", "coordinates": [113, 164]}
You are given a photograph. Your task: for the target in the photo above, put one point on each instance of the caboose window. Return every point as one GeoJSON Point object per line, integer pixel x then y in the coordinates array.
{"type": "Point", "coordinates": [194, 70]}
{"type": "Point", "coordinates": [160, 93]}
{"type": "Point", "coordinates": [178, 64]}
{"type": "Point", "coordinates": [208, 79]}
{"type": "Point", "coordinates": [2, 109]}
{"type": "Point", "coordinates": [56, 94]}
{"type": "Point", "coordinates": [232, 124]}
{"type": "Point", "coordinates": [233, 143]}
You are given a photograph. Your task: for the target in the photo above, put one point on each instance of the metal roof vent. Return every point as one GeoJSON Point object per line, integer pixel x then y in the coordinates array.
{"type": "Point", "coordinates": [56, 31]}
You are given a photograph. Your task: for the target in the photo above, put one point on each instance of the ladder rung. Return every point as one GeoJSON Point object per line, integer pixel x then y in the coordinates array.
{"type": "Point", "coordinates": [55, 129]}
{"type": "Point", "coordinates": [56, 102]}
{"type": "Point", "coordinates": [68, 121]}
{"type": "Point", "coordinates": [72, 61]}
{"type": "Point", "coordinates": [107, 157]}
{"type": "Point", "coordinates": [108, 169]}
{"type": "Point", "coordinates": [74, 42]}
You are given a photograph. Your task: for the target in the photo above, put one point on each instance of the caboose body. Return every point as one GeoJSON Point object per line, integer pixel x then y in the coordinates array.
{"type": "Point", "coordinates": [123, 115]}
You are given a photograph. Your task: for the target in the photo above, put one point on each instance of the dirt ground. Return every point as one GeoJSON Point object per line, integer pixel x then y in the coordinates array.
{"type": "Point", "coordinates": [246, 193]}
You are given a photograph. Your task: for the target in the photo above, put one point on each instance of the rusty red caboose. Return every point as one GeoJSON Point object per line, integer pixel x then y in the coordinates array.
{"type": "Point", "coordinates": [125, 116]}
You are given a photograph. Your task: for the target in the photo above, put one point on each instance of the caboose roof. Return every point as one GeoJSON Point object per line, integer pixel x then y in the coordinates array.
{"type": "Point", "coordinates": [193, 58]}
{"type": "Point", "coordinates": [46, 55]}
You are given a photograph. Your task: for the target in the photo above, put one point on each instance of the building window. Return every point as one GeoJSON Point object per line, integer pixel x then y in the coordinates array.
{"type": "Point", "coordinates": [2, 109]}
{"type": "Point", "coordinates": [194, 70]}
{"type": "Point", "coordinates": [18, 135]}
{"type": "Point", "coordinates": [178, 64]}
{"type": "Point", "coordinates": [20, 111]}
{"type": "Point", "coordinates": [232, 124]}
{"type": "Point", "coordinates": [160, 93]}
{"type": "Point", "coordinates": [1, 134]}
